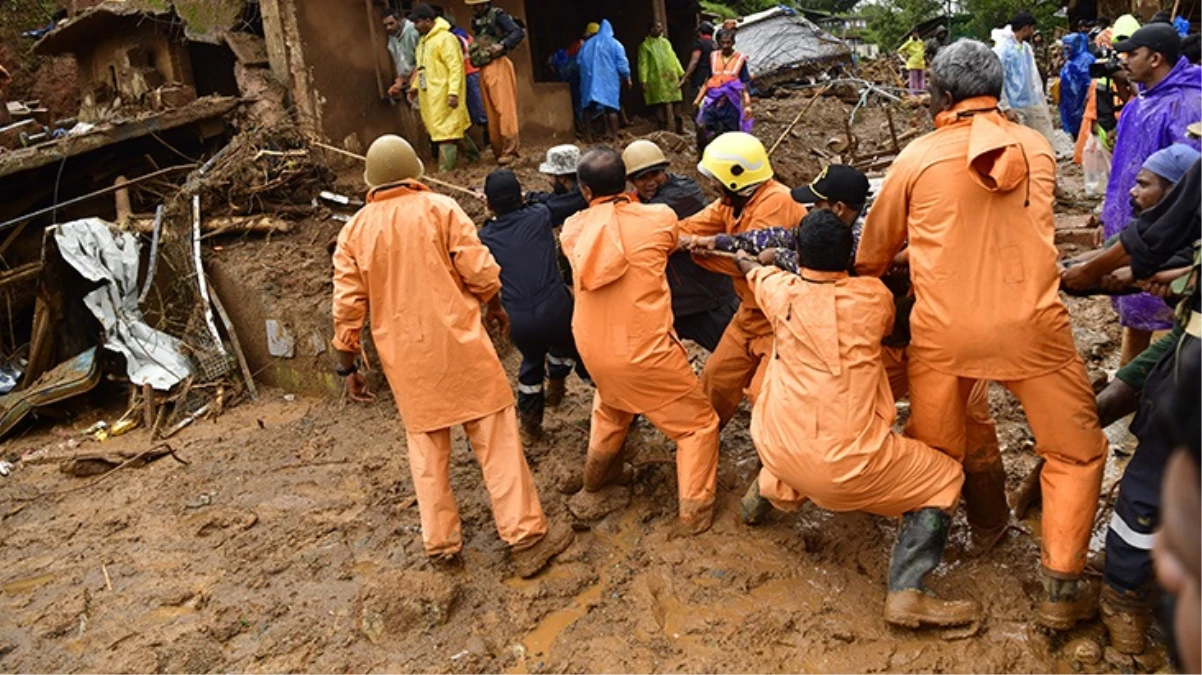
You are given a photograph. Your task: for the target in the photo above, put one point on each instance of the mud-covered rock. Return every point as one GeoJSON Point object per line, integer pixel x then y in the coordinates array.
{"type": "Point", "coordinates": [397, 602]}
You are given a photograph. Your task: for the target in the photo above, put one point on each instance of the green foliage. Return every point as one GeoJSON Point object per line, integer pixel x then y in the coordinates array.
{"type": "Point", "coordinates": [889, 21]}
{"type": "Point", "coordinates": [985, 15]}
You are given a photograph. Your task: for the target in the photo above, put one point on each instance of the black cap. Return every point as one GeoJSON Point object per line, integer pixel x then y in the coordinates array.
{"type": "Point", "coordinates": [503, 190]}
{"type": "Point", "coordinates": [422, 11]}
{"type": "Point", "coordinates": [836, 183]}
{"type": "Point", "coordinates": [1159, 37]}
{"type": "Point", "coordinates": [1022, 19]}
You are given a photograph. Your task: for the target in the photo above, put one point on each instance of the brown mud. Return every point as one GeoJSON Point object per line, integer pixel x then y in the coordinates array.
{"type": "Point", "coordinates": [290, 541]}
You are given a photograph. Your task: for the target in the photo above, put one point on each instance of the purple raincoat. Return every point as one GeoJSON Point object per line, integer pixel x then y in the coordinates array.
{"type": "Point", "coordinates": [719, 118]}
{"type": "Point", "coordinates": [1155, 119]}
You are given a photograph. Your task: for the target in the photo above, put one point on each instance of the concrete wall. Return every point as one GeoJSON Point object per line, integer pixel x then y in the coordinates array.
{"type": "Point", "coordinates": [134, 54]}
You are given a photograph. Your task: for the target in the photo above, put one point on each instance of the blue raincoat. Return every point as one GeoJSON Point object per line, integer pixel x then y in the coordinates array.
{"type": "Point", "coordinates": [1153, 120]}
{"type": "Point", "coordinates": [603, 68]}
{"type": "Point", "coordinates": [1074, 82]}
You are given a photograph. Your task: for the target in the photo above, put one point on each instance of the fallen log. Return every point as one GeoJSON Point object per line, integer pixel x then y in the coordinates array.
{"type": "Point", "coordinates": [262, 224]}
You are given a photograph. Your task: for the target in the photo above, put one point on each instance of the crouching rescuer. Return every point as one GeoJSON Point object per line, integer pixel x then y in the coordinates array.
{"type": "Point", "coordinates": [822, 423]}
{"type": "Point", "coordinates": [412, 259]}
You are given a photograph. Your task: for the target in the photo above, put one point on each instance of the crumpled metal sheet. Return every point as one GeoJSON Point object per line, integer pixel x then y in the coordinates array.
{"type": "Point", "coordinates": [780, 41]}
{"type": "Point", "coordinates": [103, 255]}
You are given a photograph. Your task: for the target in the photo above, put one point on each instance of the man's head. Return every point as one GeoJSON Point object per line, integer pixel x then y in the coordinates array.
{"type": "Point", "coordinates": [726, 41]}
{"type": "Point", "coordinates": [646, 167]}
{"type": "Point", "coordinates": [1083, 25]}
{"type": "Point", "coordinates": [823, 242]}
{"type": "Point", "coordinates": [392, 22]}
{"type": "Point", "coordinates": [705, 28]}
{"type": "Point", "coordinates": [560, 165]}
{"type": "Point", "coordinates": [391, 159]}
{"type": "Point", "coordinates": [1159, 174]}
{"type": "Point", "coordinates": [840, 189]}
{"type": "Point", "coordinates": [1023, 25]}
{"type": "Point", "coordinates": [964, 70]}
{"type": "Point", "coordinates": [1177, 548]}
{"type": "Point", "coordinates": [1037, 39]}
{"type": "Point", "coordinates": [737, 162]}
{"type": "Point", "coordinates": [503, 191]}
{"type": "Point", "coordinates": [1191, 48]}
{"type": "Point", "coordinates": [479, 7]}
{"type": "Point", "coordinates": [1102, 23]}
{"type": "Point", "coordinates": [655, 29]}
{"type": "Point", "coordinates": [601, 173]}
{"type": "Point", "coordinates": [591, 29]}
{"type": "Point", "coordinates": [916, 34]}
{"type": "Point", "coordinates": [1150, 53]}
{"type": "Point", "coordinates": [941, 32]}
{"type": "Point", "coordinates": [423, 18]}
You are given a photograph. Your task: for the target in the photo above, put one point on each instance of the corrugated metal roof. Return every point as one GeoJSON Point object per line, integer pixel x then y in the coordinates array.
{"type": "Point", "coordinates": [781, 44]}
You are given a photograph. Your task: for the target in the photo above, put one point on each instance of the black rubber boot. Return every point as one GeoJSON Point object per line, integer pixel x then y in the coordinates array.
{"type": "Point", "coordinates": [918, 550]}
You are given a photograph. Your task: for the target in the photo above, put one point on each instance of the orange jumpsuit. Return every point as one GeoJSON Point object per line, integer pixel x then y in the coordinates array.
{"type": "Point", "coordinates": [822, 424]}
{"type": "Point", "coordinates": [974, 198]}
{"type": "Point", "coordinates": [737, 364]}
{"type": "Point", "coordinates": [412, 259]}
{"type": "Point", "coordinates": [623, 327]}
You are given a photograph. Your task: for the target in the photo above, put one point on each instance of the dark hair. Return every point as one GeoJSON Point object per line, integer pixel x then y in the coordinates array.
{"type": "Point", "coordinates": [824, 242]}
{"type": "Point", "coordinates": [1191, 47]}
{"type": "Point", "coordinates": [1022, 19]}
{"type": "Point", "coordinates": [439, 10]}
{"type": "Point", "coordinates": [1102, 22]}
{"type": "Point", "coordinates": [705, 28]}
{"type": "Point", "coordinates": [602, 171]}
{"type": "Point", "coordinates": [422, 11]}
{"type": "Point", "coordinates": [392, 14]}
{"type": "Point", "coordinates": [724, 32]}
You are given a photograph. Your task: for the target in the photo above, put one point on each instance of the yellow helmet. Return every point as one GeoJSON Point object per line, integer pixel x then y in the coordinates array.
{"type": "Point", "coordinates": [391, 159]}
{"type": "Point", "coordinates": [736, 160]}
{"type": "Point", "coordinates": [592, 28]}
{"type": "Point", "coordinates": [641, 156]}
{"type": "Point", "coordinates": [1124, 27]}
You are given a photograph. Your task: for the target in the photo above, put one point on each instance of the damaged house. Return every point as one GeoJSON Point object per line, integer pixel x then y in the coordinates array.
{"type": "Point", "coordinates": [782, 45]}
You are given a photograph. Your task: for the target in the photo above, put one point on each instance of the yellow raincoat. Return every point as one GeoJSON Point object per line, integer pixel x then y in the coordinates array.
{"type": "Point", "coordinates": [440, 74]}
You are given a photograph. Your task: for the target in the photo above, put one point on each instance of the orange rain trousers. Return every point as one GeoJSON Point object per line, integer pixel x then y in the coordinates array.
{"type": "Point", "coordinates": [736, 367]}
{"type": "Point", "coordinates": [1062, 413]}
{"type": "Point", "coordinates": [515, 505]}
{"type": "Point", "coordinates": [696, 448]}
{"type": "Point", "coordinates": [499, 89]}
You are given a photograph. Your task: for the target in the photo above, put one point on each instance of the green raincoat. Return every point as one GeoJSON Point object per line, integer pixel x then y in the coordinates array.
{"type": "Point", "coordinates": [659, 71]}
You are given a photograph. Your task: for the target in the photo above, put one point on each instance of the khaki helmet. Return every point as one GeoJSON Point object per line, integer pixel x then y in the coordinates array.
{"type": "Point", "coordinates": [642, 156]}
{"type": "Point", "coordinates": [737, 161]}
{"type": "Point", "coordinates": [391, 159]}
{"type": "Point", "coordinates": [1194, 130]}
{"type": "Point", "coordinates": [475, 2]}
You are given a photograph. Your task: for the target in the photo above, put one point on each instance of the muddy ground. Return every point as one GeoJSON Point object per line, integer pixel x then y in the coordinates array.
{"type": "Point", "coordinates": [290, 541]}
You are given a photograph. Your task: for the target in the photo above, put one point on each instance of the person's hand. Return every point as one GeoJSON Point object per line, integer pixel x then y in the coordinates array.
{"type": "Point", "coordinates": [396, 89]}
{"type": "Point", "coordinates": [1117, 280]}
{"type": "Point", "coordinates": [1012, 116]}
{"type": "Point", "coordinates": [1160, 284]}
{"type": "Point", "coordinates": [497, 316]}
{"type": "Point", "coordinates": [680, 83]}
{"type": "Point", "coordinates": [356, 388]}
{"type": "Point", "coordinates": [1078, 277]}
{"type": "Point", "coordinates": [685, 242]}
{"type": "Point", "coordinates": [496, 50]}
{"type": "Point", "coordinates": [703, 245]}
{"type": "Point", "coordinates": [629, 84]}
{"type": "Point", "coordinates": [747, 112]}
{"type": "Point", "coordinates": [453, 101]}
{"type": "Point", "coordinates": [767, 256]}
{"type": "Point", "coordinates": [412, 96]}
{"type": "Point", "coordinates": [745, 261]}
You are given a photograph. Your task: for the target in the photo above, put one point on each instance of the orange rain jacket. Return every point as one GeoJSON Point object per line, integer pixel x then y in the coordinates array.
{"type": "Point", "coordinates": [623, 318]}
{"type": "Point", "coordinates": [985, 278]}
{"type": "Point", "coordinates": [771, 206]}
{"type": "Point", "coordinates": [822, 424]}
{"type": "Point", "coordinates": [425, 314]}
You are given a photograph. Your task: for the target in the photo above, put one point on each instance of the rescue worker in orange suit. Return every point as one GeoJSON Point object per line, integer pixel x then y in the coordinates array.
{"type": "Point", "coordinates": [844, 190]}
{"type": "Point", "coordinates": [822, 424]}
{"type": "Point", "coordinates": [974, 198]}
{"type": "Point", "coordinates": [411, 258]}
{"type": "Point", "coordinates": [751, 200]}
{"type": "Point", "coordinates": [618, 250]}
{"type": "Point", "coordinates": [497, 34]}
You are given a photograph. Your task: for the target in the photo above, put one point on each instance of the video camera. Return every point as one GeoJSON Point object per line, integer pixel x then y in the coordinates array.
{"type": "Point", "coordinates": [1106, 66]}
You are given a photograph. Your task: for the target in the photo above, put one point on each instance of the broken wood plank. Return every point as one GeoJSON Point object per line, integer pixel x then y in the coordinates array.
{"type": "Point", "coordinates": [235, 343]}
{"type": "Point", "coordinates": [22, 273]}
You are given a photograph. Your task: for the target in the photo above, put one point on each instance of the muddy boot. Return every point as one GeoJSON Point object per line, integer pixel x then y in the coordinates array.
{"type": "Point", "coordinates": [1127, 617]}
{"type": "Point", "coordinates": [556, 388]}
{"type": "Point", "coordinates": [919, 548]}
{"type": "Point", "coordinates": [448, 154]}
{"type": "Point", "coordinates": [1066, 601]}
{"type": "Point", "coordinates": [530, 425]}
{"type": "Point", "coordinates": [528, 561]}
{"type": "Point", "coordinates": [1116, 401]}
{"type": "Point", "coordinates": [753, 508]}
